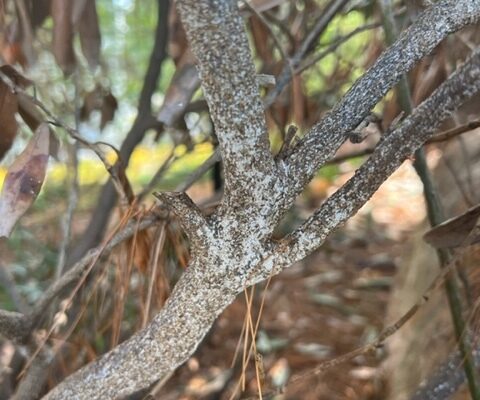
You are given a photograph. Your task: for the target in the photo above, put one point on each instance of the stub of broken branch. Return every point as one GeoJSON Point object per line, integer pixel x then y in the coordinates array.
{"type": "Point", "coordinates": [189, 215]}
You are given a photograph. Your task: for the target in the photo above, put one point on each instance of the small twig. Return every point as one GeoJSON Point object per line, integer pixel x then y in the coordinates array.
{"type": "Point", "coordinates": [198, 173]}
{"type": "Point", "coordinates": [259, 15]}
{"type": "Point", "coordinates": [158, 175]}
{"type": "Point", "coordinates": [454, 132]}
{"type": "Point", "coordinates": [334, 46]}
{"type": "Point", "coordinates": [66, 225]}
{"type": "Point", "coordinates": [306, 46]}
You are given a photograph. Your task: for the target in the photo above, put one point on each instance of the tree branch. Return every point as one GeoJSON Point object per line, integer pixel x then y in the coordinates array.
{"type": "Point", "coordinates": [191, 218]}
{"type": "Point", "coordinates": [13, 325]}
{"type": "Point", "coordinates": [323, 140]}
{"type": "Point", "coordinates": [392, 150]}
{"type": "Point", "coordinates": [219, 42]}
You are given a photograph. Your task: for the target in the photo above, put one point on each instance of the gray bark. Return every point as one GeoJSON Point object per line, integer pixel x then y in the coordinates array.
{"type": "Point", "coordinates": [233, 248]}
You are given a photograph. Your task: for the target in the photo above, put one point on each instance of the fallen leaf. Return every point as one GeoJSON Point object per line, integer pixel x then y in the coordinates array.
{"type": "Point", "coordinates": [24, 180]}
{"type": "Point", "coordinates": [8, 124]}
{"type": "Point", "coordinates": [455, 232]}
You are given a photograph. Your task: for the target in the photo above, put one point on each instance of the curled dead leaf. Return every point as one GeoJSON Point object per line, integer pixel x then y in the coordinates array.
{"type": "Point", "coordinates": [109, 106]}
{"type": "Point", "coordinates": [89, 32]}
{"type": "Point", "coordinates": [455, 232]}
{"type": "Point", "coordinates": [8, 123]}
{"type": "Point", "coordinates": [16, 77]}
{"type": "Point", "coordinates": [62, 46]}
{"type": "Point", "coordinates": [101, 100]}
{"type": "Point", "coordinates": [24, 180]}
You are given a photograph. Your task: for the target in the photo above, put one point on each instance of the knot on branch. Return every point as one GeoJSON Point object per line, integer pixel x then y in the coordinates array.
{"type": "Point", "coordinates": [189, 215]}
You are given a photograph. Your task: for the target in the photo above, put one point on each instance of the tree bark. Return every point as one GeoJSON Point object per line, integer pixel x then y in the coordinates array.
{"type": "Point", "coordinates": [233, 248]}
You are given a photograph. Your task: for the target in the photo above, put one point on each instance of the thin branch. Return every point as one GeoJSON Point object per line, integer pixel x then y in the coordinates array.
{"type": "Point", "coordinates": [332, 9]}
{"type": "Point", "coordinates": [323, 140]}
{"type": "Point", "coordinates": [200, 171]}
{"type": "Point", "coordinates": [454, 132]}
{"type": "Point", "coordinates": [334, 46]}
{"type": "Point", "coordinates": [392, 150]}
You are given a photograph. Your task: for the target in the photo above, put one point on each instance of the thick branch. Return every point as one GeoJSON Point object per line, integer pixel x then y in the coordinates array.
{"type": "Point", "coordinates": [219, 42]}
{"type": "Point", "coordinates": [172, 336]}
{"type": "Point", "coordinates": [13, 325]}
{"type": "Point", "coordinates": [323, 140]}
{"type": "Point", "coordinates": [390, 153]}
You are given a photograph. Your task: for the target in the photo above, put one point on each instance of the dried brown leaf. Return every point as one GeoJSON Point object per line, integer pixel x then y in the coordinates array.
{"type": "Point", "coordinates": [29, 112]}
{"type": "Point", "coordinates": [91, 102]}
{"type": "Point", "coordinates": [182, 87]}
{"type": "Point", "coordinates": [101, 100]}
{"type": "Point", "coordinates": [178, 43]}
{"type": "Point", "coordinates": [39, 10]}
{"type": "Point", "coordinates": [109, 106]}
{"type": "Point", "coordinates": [89, 32]}
{"type": "Point", "coordinates": [16, 77]}
{"type": "Point", "coordinates": [62, 46]}
{"type": "Point", "coordinates": [455, 232]}
{"type": "Point", "coordinates": [8, 124]}
{"type": "Point", "coordinates": [24, 180]}
{"type": "Point", "coordinates": [264, 5]}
